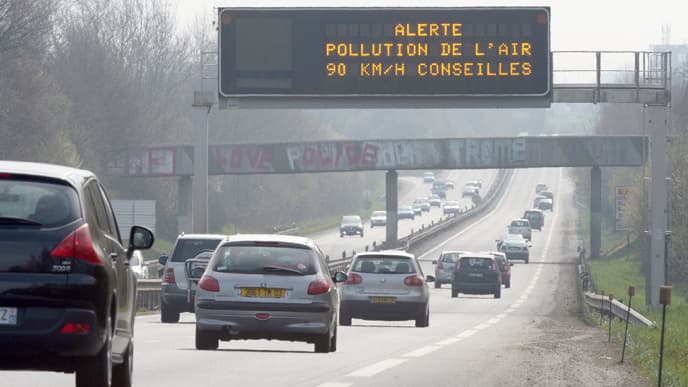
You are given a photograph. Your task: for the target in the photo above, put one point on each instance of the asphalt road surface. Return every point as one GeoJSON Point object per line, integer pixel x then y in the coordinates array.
{"type": "Point", "coordinates": [471, 341]}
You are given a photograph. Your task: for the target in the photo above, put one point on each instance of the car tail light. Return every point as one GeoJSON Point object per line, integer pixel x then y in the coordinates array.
{"type": "Point", "coordinates": [5, 175]}
{"type": "Point", "coordinates": [209, 284]}
{"type": "Point", "coordinates": [262, 316]}
{"type": "Point", "coordinates": [168, 278]}
{"type": "Point", "coordinates": [77, 245]}
{"type": "Point", "coordinates": [319, 286]}
{"type": "Point", "coordinates": [414, 280]}
{"type": "Point", "coordinates": [494, 267]}
{"type": "Point", "coordinates": [354, 279]}
{"type": "Point", "coordinates": [75, 328]}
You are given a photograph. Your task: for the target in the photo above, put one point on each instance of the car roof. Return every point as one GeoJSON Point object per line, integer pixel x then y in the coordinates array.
{"type": "Point", "coordinates": [202, 236]}
{"type": "Point", "coordinates": [479, 255]}
{"type": "Point", "coordinates": [68, 174]}
{"type": "Point", "coordinates": [519, 220]}
{"type": "Point", "coordinates": [388, 253]}
{"type": "Point", "coordinates": [454, 252]}
{"type": "Point", "coordinates": [539, 211]}
{"type": "Point", "coordinates": [286, 239]}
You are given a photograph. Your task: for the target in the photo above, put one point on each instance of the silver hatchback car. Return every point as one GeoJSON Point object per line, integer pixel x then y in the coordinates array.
{"type": "Point", "coordinates": [268, 287]}
{"type": "Point", "coordinates": [385, 285]}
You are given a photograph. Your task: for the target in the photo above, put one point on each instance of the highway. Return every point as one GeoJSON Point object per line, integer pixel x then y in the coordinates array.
{"type": "Point", "coordinates": [410, 188]}
{"type": "Point", "coordinates": [465, 336]}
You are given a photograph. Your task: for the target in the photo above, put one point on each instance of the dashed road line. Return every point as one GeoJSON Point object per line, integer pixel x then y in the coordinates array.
{"type": "Point", "coordinates": [422, 351]}
{"type": "Point", "coordinates": [377, 367]}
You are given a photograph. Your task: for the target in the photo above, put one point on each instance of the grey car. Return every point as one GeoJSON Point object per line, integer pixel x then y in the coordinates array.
{"type": "Point", "coordinates": [444, 271]}
{"type": "Point", "coordinates": [385, 285]}
{"type": "Point", "coordinates": [176, 297]}
{"type": "Point", "coordinates": [268, 287]}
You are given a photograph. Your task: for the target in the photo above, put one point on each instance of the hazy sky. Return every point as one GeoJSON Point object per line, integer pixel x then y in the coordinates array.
{"type": "Point", "coordinates": [576, 24]}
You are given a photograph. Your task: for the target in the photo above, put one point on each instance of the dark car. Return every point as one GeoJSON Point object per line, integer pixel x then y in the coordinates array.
{"type": "Point", "coordinates": [504, 266]}
{"type": "Point", "coordinates": [351, 225]}
{"type": "Point", "coordinates": [406, 212]}
{"type": "Point", "coordinates": [67, 293]}
{"type": "Point", "coordinates": [535, 217]}
{"type": "Point", "coordinates": [477, 274]}
{"type": "Point", "coordinates": [176, 292]}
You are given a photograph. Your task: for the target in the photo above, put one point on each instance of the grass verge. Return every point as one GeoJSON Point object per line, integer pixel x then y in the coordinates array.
{"type": "Point", "coordinates": [614, 275]}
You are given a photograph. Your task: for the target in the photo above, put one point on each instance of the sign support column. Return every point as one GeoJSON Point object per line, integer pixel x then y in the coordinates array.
{"type": "Point", "coordinates": [595, 211]}
{"type": "Point", "coordinates": [201, 109]}
{"type": "Point", "coordinates": [656, 127]}
{"type": "Point", "coordinates": [391, 201]}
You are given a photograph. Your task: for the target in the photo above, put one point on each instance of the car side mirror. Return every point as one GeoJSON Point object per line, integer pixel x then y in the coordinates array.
{"type": "Point", "coordinates": [340, 277]}
{"type": "Point", "coordinates": [434, 262]}
{"type": "Point", "coordinates": [430, 278]}
{"type": "Point", "coordinates": [140, 238]}
{"type": "Point", "coordinates": [163, 259]}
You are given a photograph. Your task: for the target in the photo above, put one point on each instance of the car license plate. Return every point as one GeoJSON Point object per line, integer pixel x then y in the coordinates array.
{"type": "Point", "coordinates": [383, 300]}
{"type": "Point", "coordinates": [477, 275]}
{"type": "Point", "coordinates": [263, 292]}
{"type": "Point", "coordinates": [8, 316]}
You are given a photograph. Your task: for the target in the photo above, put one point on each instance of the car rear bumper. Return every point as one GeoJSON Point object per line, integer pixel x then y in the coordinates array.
{"type": "Point", "coordinates": [36, 343]}
{"type": "Point", "coordinates": [475, 287]}
{"type": "Point", "coordinates": [177, 298]}
{"type": "Point", "coordinates": [399, 311]}
{"type": "Point", "coordinates": [285, 321]}
{"type": "Point", "coordinates": [443, 276]}
{"type": "Point", "coordinates": [517, 255]}
{"type": "Point", "coordinates": [351, 231]}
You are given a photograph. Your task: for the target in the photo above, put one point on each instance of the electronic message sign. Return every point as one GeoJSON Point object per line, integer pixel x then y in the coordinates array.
{"type": "Point", "coordinates": [384, 52]}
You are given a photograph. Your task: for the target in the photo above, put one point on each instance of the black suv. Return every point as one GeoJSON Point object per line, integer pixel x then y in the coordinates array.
{"type": "Point", "coordinates": [67, 294]}
{"type": "Point", "coordinates": [477, 274]}
{"type": "Point", "coordinates": [351, 225]}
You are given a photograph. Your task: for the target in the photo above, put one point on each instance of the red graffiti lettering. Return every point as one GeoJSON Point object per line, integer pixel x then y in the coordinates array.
{"type": "Point", "coordinates": [325, 155]}
{"type": "Point", "coordinates": [369, 154]}
{"type": "Point", "coordinates": [265, 163]}
{"type": "Point", "coordinates": [236, 158]}
{"type": "Point", "coordinates": [308, 155]}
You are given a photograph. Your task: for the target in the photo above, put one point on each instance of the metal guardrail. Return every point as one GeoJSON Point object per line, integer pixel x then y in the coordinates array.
{"type": "Point", "coordinates": [601, 304]}
{"type": "Point", "coordinates": [149, 289]}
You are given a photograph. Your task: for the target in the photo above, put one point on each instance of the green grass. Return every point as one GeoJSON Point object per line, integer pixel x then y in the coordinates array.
{"type": "Point", "coordinates": [614, 275]}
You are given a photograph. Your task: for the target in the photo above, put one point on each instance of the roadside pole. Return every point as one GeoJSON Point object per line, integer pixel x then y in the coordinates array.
{"type": "Point", "coordinates": [631, 293]}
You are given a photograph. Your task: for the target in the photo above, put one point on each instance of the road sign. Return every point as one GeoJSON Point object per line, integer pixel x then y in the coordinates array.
{"type": "Point", "coordinates": [384, 52]}
{"type": "Point", "coordinates": [620, 200]}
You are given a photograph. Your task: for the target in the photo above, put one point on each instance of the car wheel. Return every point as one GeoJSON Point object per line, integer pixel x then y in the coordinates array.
{"type": "Point", "coordinates": [424, 320]}
{"type": "Point", "coordinates": [438, 284]}
{"type": "Point", "coordinates": [455, 292]}
{"type": "Point", "coordinates": [168, 315]}
{"type": "Point", "coordinates": [323, 344]}
{"type": "Point", "coordinates": [361, 234]}
{"type": "Point", "coordinates": [344, 320]}
{"type": "Point", "coordinates": [122, 373]}
{"type": "Point", "coordinates": [527, 259]}
{"type": "Point", "coordinates": [206, 340]}
{"type": "Point", "coordinates": [341, 235]}
{"type": "Point", "coordinates": [371, 225]}
{"type": "Point", "coordinates": [508, 284]}
{"type": "Point", "coordinates": [498, 293]}
{"type": "Point", "coordinates": [96, 370]}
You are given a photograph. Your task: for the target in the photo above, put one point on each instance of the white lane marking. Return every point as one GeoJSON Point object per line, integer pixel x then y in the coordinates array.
{"type": "Point", "coordinates": [378, 367]}
{"type": "Point", "coordinates": [334, 385]}
{"type": "Point", "coordinates": [449, 341]}
{"type": "Point", "coordinates": [502, 315]}
{"type": "Point", "coordinates": [481, 326]}
{"type": "Point", "coordinates": [467, 333]}
{"type": "Point", "coordinates": [494, 320]}
{"type": "Point", "coordinates": [151, 341]}
{"type": "Point", "coordinates": [422, 351]}
{"type": "Point", "coordinates": [470, 226]}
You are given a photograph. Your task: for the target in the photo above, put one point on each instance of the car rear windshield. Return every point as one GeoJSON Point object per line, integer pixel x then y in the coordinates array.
{"type": "Point", "coordinates": [519, 223]}
{"type": "Point", "coordinates": [383, 265]}
{"type": "Point", "coordinates": [189, 248]}
{"type": "Point", "coordinates": [37, 203]}
{"type": "Point", "coordinates": [260, 259]}
{"type": "Point", "coordinates": [475, 264]}
{"type": "Point", "coordinates": [351, 219]}
{"type": "Point", "coordinates": [379, 213]}
{"type": "Point", "coordinates": [450, 257]}
{"type": "Point", "coordinates": [451, 203]}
